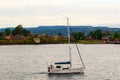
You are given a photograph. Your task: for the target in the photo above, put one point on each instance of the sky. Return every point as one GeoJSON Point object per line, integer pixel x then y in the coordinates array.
{"type": "Point", "coordinates": [32, 13]}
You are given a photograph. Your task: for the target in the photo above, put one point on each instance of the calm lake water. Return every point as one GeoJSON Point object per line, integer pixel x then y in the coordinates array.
{"type": "Point", "coordinates": [29, 62]}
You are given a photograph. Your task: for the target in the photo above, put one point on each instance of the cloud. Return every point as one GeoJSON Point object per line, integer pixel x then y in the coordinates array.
{"type": "Point", "coordinates": [53, 12]}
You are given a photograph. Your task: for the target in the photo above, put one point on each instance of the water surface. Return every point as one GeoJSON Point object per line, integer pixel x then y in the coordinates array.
{"type": "Point", "coordinates": [29, 62]}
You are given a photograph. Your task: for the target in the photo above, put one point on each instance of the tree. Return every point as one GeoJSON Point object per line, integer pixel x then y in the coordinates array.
{"type": "Point", "coordinates": [13, 32]}
{"type": "Point", "coordinates": [98, 34]}
{"type": "Point", "coordinates": [78, 35]}
{"type": "Point", "coordinates": [26, 32]}
{"type": "Point", "coordinates": [1, 35]}
{"type": "Point", "coordinates": [75, 36]}
{"type": "Point", "coordinates": [107, 33]}
{"type": "Point", "coordinates": [19, 30]}
{"type": "Point", "coordinates": [81, 35]}
{"type": "Point", "coordinates": [59, 34]}
{"type": "Point", "coordinates": [91, 34]}
{"type": "Point", "coordinates": [116, 35]}
{"type": "Point", "coordinates": [7, 32]}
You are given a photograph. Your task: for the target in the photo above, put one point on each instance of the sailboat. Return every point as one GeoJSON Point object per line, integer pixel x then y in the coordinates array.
{"type": "Point", "coordinates": [66, 67]}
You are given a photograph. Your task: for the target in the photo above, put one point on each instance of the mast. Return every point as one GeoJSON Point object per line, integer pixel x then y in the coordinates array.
{"type": "Point", "coordinates": [68, 25]}
{"type": "Point", "coordinates": [70, 57]}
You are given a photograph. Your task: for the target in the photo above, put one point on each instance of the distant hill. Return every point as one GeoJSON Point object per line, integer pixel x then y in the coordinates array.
{"type": "Point", "coordinates": [52, 30]}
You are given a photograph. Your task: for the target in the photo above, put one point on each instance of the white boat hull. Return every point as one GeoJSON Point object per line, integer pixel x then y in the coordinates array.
{"type": "Point", "coordinates": [67, 71]}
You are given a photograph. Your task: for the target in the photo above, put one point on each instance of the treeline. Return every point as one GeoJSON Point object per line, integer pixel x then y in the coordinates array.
{"type": "Point", "coordinates": [20, 35]}
{"type": "Point", "coordinates": [96, 35]}
{"type": "Point", "coordinates": [19, 30]}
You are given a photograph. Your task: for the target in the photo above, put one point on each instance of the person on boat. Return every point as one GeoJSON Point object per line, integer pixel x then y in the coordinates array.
{"type": "Point", "coordinates": [50, 68]}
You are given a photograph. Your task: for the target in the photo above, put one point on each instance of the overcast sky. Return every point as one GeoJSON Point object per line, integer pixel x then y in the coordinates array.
{"type": "Point", "coordinates": [54, 12]}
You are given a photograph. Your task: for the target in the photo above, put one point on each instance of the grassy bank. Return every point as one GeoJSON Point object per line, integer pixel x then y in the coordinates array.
{"type": "Point", "coordinates": [7, 42]}
{"type": "Point", "coordinates": [90, 42]}
{"type": "Point", "coordinates": [12, 42]}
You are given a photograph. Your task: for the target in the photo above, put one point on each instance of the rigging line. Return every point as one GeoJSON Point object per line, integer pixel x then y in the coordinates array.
{"type": "Point", "coordinates": [78, 49]}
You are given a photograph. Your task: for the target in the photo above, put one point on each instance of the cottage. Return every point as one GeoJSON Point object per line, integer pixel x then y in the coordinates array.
{"type": "Point", "coordinates": [106, 39]}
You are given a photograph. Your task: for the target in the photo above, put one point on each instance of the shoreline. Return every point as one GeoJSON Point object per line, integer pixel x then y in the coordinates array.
{"type": "Point", "coordinates": [55, 43]}
{"type": "Point", "coordinates": [24, 42]}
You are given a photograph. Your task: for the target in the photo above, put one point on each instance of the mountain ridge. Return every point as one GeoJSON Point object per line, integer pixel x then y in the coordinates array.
{"type": "Point", "coordinates": [53, 30]}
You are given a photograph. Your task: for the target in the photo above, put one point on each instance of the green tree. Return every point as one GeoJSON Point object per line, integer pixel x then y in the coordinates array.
{"type": "Point", "coordinates": [19, 30]}
{"type": "Point", "coordinates": [13, 32]}
{"type": "Point", "coordinates": [107, 33]}
{"type": "Point", "coordinates": [81, 35]}
{"type": "Point", "coordinates": [116, 35]}
{"type": "Point", "coordinates": [75, 36]}
{"type": "Point", "coordinates": [7, 32]}
{"type": "Point", "coordinates": [59, 34]}
{"type": "Point", "coordinates": [78, 35]}
{"type": "Point", "coordinates": [97, 34]}
{"type": "Point", "coordinates": [91, 33]}
{"type": "Point", "coordinates": [26, 32]}
{"type": "Point", "coordinates": [2, 35]}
